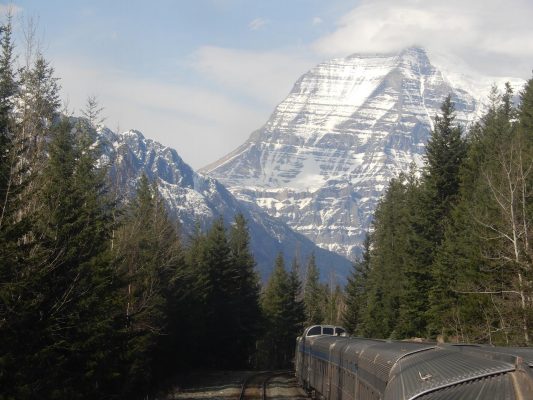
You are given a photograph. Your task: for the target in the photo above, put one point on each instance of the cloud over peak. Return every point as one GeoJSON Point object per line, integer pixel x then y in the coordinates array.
{"type": "Point", "coordinates": [477, 31]}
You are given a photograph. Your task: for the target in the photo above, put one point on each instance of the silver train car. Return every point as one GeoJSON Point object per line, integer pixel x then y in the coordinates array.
{"type": "Point", "coordinates": [337, 367]}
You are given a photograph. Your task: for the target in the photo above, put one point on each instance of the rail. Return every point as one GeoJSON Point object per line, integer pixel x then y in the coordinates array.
{"type": "Point", "coordinates": [263, 377]}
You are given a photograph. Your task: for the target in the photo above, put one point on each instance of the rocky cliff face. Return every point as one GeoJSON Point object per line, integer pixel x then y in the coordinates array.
{"type": "Point", "coordinates": [323, 159]}
{"type": "Point", "coordinates": [192, 198]}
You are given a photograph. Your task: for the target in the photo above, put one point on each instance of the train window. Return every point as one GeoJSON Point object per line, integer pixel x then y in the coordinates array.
{"type": "Point", "coordinates": [315, 330]}
{"type": "Point", "coordinates": [339, 331]}
{"type": "Point", "coordinates": [327, 331]}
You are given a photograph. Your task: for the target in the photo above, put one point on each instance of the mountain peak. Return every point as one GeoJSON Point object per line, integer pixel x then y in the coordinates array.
{"type": "Point", "coordinates": [324, 158]}
{"type": "Point", "coordinates": [414, 50]}
{"type": "Point", "coordinates": [134, 133]}
{"type": "Point", "coordinates": [416, 57]}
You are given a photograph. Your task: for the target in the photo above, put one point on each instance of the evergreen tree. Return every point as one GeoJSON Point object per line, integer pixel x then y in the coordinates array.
{"type": "Point", "coordinates": [334, 304]}
{"type": "Point", "coordinates": [387, 264]}
{"type": "Point", "coordinates": [64, 314]}
{"type": "Point", "coordinates": [430, 208]}
{"type": "Point", "coordinates": [149, 253]}
{"type": "Point", "coordinates": [297, 311]}
{"type": "Point", "coordinates": [8, 89]}
{"type": "Point", "coordinates": [12, 228]}
{"type": "Point", "coordinates": [278, 305]}
{"type": "Point", "coordinates": [38, 107]}
{"type": "Point", "coordinates": [92, 112]}
{"type": "Point", "coordinates": [191, 320]}
{"type": "Point", "coordinates": [429, 205]}
{"type": "Point", "coordinates": [247, 294]}
{"type": "Point", "coordinates": [313, 295]}
{"type": "Point", "coordinates": [418, 250]}
{"type": "Point", "coordinates": [218, 277]}
{"type": "Point", "coordinates": [458, 263]}
{"type": "Point", "coordinates": [445, 152]}
{"type": "Point", "coordinates": [480, 268]}
{"type": "Point", "coordinates": [525, 114]}
{"type": "Point", "coordinates": [9, 182]}
{"type": "Point", "coordinates": [356, 291]}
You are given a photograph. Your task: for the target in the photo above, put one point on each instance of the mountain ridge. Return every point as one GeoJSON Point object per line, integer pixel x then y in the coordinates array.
{"type": "Point", "coordinates": [322, 160]}
{"type": "Point", "coordinates": [194, 199]}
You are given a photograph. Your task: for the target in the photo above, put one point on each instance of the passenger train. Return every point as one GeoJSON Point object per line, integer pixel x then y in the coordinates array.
{"type": "Point", "coordinates": [337, 367]}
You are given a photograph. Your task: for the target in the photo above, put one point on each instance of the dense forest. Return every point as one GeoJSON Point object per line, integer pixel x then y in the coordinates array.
{"type": "Point", "coordinates": [450, 252]}
{"type": "Point", "coordinates": [101, 298]}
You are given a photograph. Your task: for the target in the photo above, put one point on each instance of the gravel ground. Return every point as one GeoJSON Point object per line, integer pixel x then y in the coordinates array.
{"type": "Point", "coordinates": [225, 385]}
{"type": "Point", "coordinates": [285, 387]}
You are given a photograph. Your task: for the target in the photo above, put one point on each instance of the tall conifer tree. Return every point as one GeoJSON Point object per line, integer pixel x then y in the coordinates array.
{"type": "Point", "coordinates": [149, 252]}
{"type": "Point", "coordinates": [278, 305]}
{"type": "Point", "coordinates": [247, 294]}
{"type": "Point", "coordinates": [313, 294]}
{"type": "Point", "coordinates": [356, 291]}
{"type": "Point", "coordinates": [429, 206]}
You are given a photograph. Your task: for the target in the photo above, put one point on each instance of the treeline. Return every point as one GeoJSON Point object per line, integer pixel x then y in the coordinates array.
{"type": "Point", "coordinates": [291, 300]}
{"type": "Point", "coordinates": [101, 298]}
{"type": "Point", "coordinates": [450, 255]}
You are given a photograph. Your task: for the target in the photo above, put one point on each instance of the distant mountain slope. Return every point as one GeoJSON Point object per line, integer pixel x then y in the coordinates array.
{"type": "Point", "coordinates": [323, 159]}
{"type": "Point", "coordinates": [192, 198]}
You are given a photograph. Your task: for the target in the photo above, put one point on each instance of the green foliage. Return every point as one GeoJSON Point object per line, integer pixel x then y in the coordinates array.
{"type": "Point", "coordinates": [64, 310]}
{"type": "Point", "coordinates": [445, 152]}
{"type": "Point", "coordinates": [283, 313]}
{"type": "Point", "coordinates": [334, 301]}
{"type": "Point", "coordinates": [493, 215]}
{"type": "Point", "coordinates": [226, 296]}
{"type": "Point", "coordinates": [247, 293]}
{"type": "Point", "coordinates": [355, 290]}
{"type": "Point", "coordinates": [386, 278]}
{"type": "Point", "coordinates": [313, 294]}
{"type": "Point", "coordinates": [450, 255]}
{"type": "Point", "coordinates": [409, 225]}
{"type": "Point", "coordinates": [297, 310]}
{"type": "Point", "coordinates": [99, 299]}
{"type": "Point", "coordinates": [149, 251]}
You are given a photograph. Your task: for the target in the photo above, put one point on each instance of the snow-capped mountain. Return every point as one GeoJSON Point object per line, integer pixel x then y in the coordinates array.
{"type": "Point", "coordinates": [323, 159]}
{"type": "Point", "coordinates": [192, 198]}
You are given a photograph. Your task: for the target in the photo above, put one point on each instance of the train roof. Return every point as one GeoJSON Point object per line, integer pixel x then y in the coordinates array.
{"type": "Point", "coordinates": [444, 367]}
{"type": "Point", "coordinates": [331, 330]}
{"type": "Point", "coordinates": [402, 370]}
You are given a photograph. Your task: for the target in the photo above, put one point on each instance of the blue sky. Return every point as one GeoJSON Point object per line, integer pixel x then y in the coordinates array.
{"type": "Point", "coordinates": [201, 75]}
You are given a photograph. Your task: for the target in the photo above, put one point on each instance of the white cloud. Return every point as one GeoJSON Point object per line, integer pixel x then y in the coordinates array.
{"type": "Point", "coordinates": [257, 24]}
{"type": "Point", "coordinates": [240, 88]}
{"type": "Point", "coordinates": [200, 124]}
{"type": "Point", "coordinates": [491, 36]}
{"type": "Point", "coordinates": [266, 77]}
{"type": "Point", "coordinates": [317, 21]}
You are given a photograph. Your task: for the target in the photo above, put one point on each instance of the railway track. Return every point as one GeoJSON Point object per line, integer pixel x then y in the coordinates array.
{"type": "Point", "coordinates": [255, 386]}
